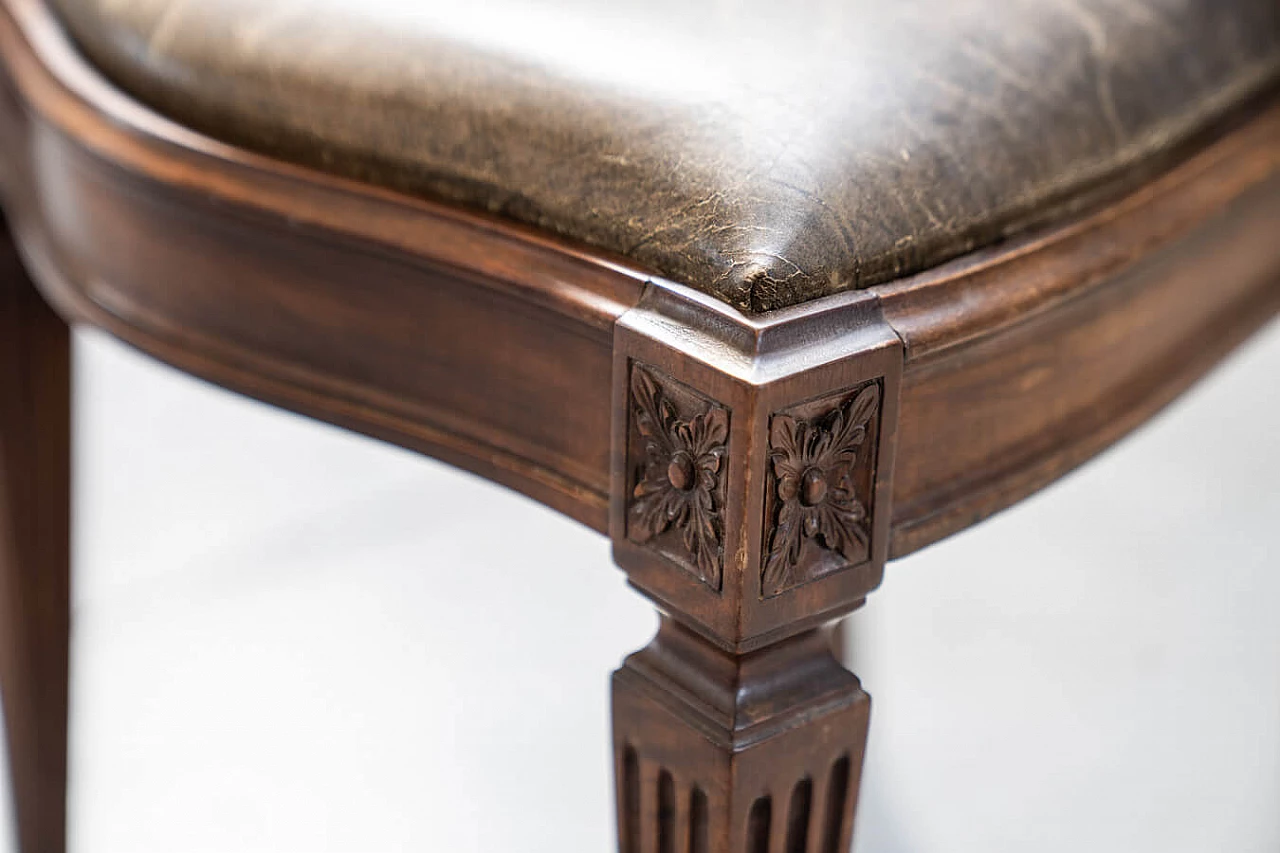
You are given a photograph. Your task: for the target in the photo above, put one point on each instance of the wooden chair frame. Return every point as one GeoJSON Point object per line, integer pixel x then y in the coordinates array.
{"type": "Point", "coordinates": [754, 473]}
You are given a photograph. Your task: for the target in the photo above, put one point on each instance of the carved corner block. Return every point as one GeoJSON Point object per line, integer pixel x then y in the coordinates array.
{"type": "Point", "coordinates": [752, 460]}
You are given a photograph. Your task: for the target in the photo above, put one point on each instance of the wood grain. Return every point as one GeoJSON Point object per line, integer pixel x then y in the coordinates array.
{"type": "Point", "coordinates": [344, 302]}
{"type": "Point", "coordinates": [1025, 363]}
{"type": "Point", "coordinates": [488, 345]}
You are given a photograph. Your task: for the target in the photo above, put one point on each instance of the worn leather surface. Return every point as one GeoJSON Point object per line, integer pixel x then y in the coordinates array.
{"type": "Point", "coordinates": [767, 153]}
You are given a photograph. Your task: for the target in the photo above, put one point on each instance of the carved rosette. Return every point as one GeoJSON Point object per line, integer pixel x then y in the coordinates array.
{"type": "Point", "coordinates": [676, 451]}
{"type": "Point", "coordinates": [821, 473]}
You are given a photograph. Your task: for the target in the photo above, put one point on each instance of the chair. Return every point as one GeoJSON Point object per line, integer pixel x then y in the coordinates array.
{"type": "Point", "coordinates": [770, 294]}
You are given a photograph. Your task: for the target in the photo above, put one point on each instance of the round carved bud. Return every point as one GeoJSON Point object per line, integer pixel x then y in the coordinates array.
{"type": "Point", "coordinates": [813, 487]}
{"type": "Point", "coordinates": [680, 472]}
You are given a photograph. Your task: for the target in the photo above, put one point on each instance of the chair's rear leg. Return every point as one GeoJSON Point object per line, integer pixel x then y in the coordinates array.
{"type": "Point", "coordinates": [34, 553]}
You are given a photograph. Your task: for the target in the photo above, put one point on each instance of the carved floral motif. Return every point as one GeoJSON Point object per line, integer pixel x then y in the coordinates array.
{"type": "Point", "coordinates": [814, 465]}
{"type": "Point", "coordinates": [677, 486]}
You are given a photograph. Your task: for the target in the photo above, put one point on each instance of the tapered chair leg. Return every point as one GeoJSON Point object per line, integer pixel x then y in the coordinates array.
{"type": "Point", "coordinates": [34, 553]}
{"type": "Point", "coordinates": [725, 753]}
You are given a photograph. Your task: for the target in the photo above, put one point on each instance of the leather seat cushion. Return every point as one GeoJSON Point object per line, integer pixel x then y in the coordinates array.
{"type": "Point", "coordinates": [767, 153]}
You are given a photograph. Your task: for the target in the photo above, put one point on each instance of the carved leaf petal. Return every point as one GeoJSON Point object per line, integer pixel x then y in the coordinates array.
{"type": "Point", "coordinates": [825, 438]}
{"type": "Point", "coordinates": [717, 430]}
{"type": "Point", "coordinates": [696, 433]}
{"type": "Point", "coordinates": [650, 482]}
{"type": "Point", "coordinates": [709, 462]}
{"type": "Point", "coordinates": [784, 438]}
{"type": "Point", "coordinates": [789, 487]}
{"type": "Point", "coordinates": [844, 500]}
{"type": "Point", "coordinates": [657, 450]}
{"type": "Point", "coordinates": [649, 514]}
{"type": "Point", "coordinates": [701, 539]}
{"type": "Point", "coordinates": [707, 511]}
{"type": "Point", "coordinates": [708, 559]}
{"type": "Point", "coordinates": [708, 562]}
{"type": "Point", "coordinates": [702, 500]}
{"type": "Point", "coordinates": [689, 533]}
{"type": "Point", "coordinates": [678, 509]}
{"type": "Point", "coordinates": [784, 549]}
{"type": "Point", "coordinates": [849, 429]}
{"type": "Point", "coordinates": [643, 389]}
{"type": "Point", "coordinates": [694, 532]}
{"type": "Point", "coordinates": [782, 434]}
{"type": "Point", "coordinates": [678, 430]}
{"type": "Point", "coordinates": [810, 523]}
{"type": "Point", "coordinates": [852, 428]}
{"type": "Point", "coordinates": [652, 411]}
{"type": "Point", "coordinates": [708, 432]}
{"type": "Point", "coordinates": [864, 405]}
{"type": "Point", "coordinates": [828, 527]}
{"type": "Point", "coordinates": [846, 455]}
{"type": "Point", "coordinates": [843, 531]}
{"type": "Point", "coordinates": [707, 480]}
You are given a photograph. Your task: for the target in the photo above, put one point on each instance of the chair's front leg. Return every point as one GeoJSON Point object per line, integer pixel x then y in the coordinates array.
{"type": "Point", "coordinates": [744, 753]}
{"type": "Point", "coordinates": [750, 502]}
{"type": "Point", "coordinates": [34, 553]}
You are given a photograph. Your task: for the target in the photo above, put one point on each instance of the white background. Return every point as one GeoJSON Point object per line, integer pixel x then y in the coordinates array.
{"type": "Point", "coordinates": [294, 640]}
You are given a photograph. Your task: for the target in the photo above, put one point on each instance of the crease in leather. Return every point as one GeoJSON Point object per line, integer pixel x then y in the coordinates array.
{"type": "Point", "coordinates": [764, 153]}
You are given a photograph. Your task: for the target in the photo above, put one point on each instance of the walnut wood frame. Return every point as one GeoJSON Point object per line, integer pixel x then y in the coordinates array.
{"type": "Point", "coordinates": [754, 473]}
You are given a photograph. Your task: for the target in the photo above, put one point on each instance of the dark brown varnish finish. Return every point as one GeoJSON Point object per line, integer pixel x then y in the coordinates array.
{"type": "Point", "coordinates": [737, 752]}
{"type": "Point", "coordinates": [739, 701]}
{"type": "Point", "coordinates": [35, 552]}
{"type": "Point", "coordinates": [1026, 360]}
{"type": "Point", "coordinates": [754, 473]}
